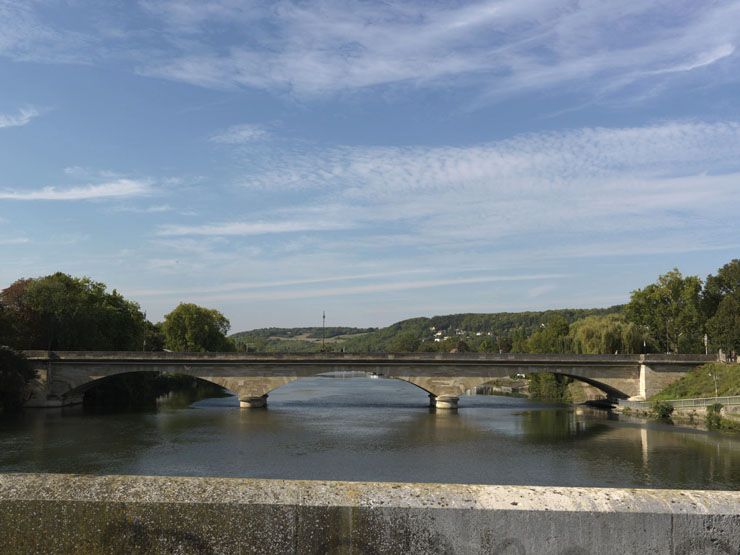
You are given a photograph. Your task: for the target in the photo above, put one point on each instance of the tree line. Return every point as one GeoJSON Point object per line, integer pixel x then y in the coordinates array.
{"type": "Point", "coordinates": [671, 315]}
{"type": "Point", "coordinates": [66, 313]}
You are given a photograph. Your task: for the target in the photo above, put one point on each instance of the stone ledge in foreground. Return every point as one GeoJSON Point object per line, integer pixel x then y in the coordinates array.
{"type": "Point", "coordinates": [59, 513]}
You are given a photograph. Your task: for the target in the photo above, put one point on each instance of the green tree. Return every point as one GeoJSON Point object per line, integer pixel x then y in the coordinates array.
{"type": "Point", "coordinates": [15, 373]}
{"type": "Point", "coordinates": [552, 337]}
{"type": "Point", "coordinates": [725, 284]}
{"type": "Point", "coordinates": [723, 328]}
{"type": "Point", "coordinates": [609, 334]}
{"type": "Point", "coordinates": [192, 328]}
{"type": "Point", "coordinates": [721, 304]}
{"type": "Point", "coordinates": [519, 340]}
{"type": "Point", "coordinates": [671, 311]}
{"type": "Point", "coordinates": [549, 387]}
{"type": "Point", "coordinates": [153, 337]}
{"type": "Point", "coordinates": [405, 342]}
{"type": "Point", "coordinates": [67, 313]}
{"type": "Point", "coordinates": [488, 345]}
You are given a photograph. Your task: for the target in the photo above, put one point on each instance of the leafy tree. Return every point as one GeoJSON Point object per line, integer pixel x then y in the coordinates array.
{"type": "Point", "coordinates": [551, 338]}
{"type": "Point", "coordinates": [153, 337]}
{"type": "Point", "coordinates": [607, 334]}
{"type": "Point", "coordinates": [405, 342]}
{"type": "Point", "coordinates": [519, 341]}
{"type": "Point", "coordinates": [723, 328]}
{"type": "Point", "coordinates": [670, 309]}
{"type": "Point", "coordinates": [67, 313]}
{"type": "Point", "coordinates": [462, 347]}
{"type": "Point", "coordinates": [15, 373]}
{"type": "Point", "coordinates": [488, 345]}
{"type": "Point", "coordinates": [192, 328]}
{"type": "Point", "coordinates": [721, 303]}
{"type": "Point", "coordinates": [725, 284]}
{"type": "Point", "coordinates": [549, 387]}
{"type": "Point", "coordinates": [504, 343]}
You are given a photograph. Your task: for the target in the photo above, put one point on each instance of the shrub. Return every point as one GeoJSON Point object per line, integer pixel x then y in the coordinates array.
{"type": "Point", "coordinates": [662, 409]}
{"type": "Point", "coordinates": [713, 418]}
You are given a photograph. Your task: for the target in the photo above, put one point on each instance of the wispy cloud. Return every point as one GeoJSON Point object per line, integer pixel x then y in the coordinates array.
{"type": "Point", "coordinates": [120, 188]}
{"type": "Point", "coordinates": [496, 47]}
{"type": "Point", "coordinates": [239, 134]}
{"type": "Point", "coordinates": [23, 117]}
{"type": "Point", "coordinates": [597, 179]}
{"type": "Point", "coordinates": [14, 241]}
{"type": "Point", "coordinates": [250, 228]}
{"type": "Point", "coordinates": [238, 286]}
{"type": "Point", "coordinates": [154, 209]}
{"type": "Point", "coordinates": [374, 288]}
{"type": "Point", "coordinates": [504, 46]}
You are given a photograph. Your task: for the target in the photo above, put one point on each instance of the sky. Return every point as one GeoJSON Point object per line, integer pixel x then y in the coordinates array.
{"type": "Point", "coordinates": [375, 160]}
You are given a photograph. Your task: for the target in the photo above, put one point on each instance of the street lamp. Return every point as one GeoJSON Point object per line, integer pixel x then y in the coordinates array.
{"type": "Point", "coordinates": [714, 376]}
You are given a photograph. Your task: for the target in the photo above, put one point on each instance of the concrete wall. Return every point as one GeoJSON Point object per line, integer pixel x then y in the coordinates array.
{"type": "Point", "coordinates": [120, 514]}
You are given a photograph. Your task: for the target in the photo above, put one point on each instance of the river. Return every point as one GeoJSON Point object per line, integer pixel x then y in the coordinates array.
{"type": "Point", "coordinates": [364, 429]}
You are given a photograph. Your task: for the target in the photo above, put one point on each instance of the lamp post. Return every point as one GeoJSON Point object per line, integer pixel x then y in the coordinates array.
{"type": "Point", "coordinates": [323, 330]}
{"type": "Point", "coordinates": [714, 377]}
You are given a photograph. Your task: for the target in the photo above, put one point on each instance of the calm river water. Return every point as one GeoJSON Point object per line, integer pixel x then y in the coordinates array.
{"type": "Point", "coordinates": [373, 429]}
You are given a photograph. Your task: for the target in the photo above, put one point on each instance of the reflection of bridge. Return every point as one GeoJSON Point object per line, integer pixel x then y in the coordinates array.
{"type": "Point", "coordinates": [65, 376]}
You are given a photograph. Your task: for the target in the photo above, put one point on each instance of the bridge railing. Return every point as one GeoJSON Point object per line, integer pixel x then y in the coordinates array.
{"type": "Point", "coordinates": [684, 403]}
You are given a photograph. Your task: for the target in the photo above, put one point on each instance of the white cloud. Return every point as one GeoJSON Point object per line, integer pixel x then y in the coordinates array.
{"type": "Point", "coordinates": [23, 117]}
{"type": "Point", "coordinates": [273, 284]}
{"type": "Point", "coordinates": [374, 288]}
{"type": "Point", "coordinates": [250, 228]}
{"type": "Point", "coordinates": [496, 47]}
{"type": "Point", "coordinates": [238, 134]}
{"type": "Point", "coordinates": [597, 179]}
{"type": "Point", "coordinates": [120, 188]}
{"type": "Point", "coordinates": [505, 46]}
{"type": "Point", "coordinates": [14, 241]}
{"type": "Point", "coordinates": [155, 209]}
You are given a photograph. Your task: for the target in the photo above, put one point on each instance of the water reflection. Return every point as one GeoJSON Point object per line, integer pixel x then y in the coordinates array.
{"type": "Point", "coordinates": [373, 429]}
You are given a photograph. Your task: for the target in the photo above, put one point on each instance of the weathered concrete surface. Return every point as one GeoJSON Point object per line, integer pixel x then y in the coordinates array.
{"type": "Point", "coordinates": [43, 513]}
{"type": "Point", "coordinates": [64, 376]}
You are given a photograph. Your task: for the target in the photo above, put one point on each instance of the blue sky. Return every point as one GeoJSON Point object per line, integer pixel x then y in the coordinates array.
{"type": "Point", "coordinates": [377, 160]}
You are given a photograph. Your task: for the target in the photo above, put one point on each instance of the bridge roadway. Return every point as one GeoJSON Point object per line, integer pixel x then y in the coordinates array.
{"type": "Point", "coordinates": [64, 376]}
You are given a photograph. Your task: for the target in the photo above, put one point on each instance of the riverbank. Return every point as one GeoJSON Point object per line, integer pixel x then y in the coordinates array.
{"type": "Point", "coordinates": [694, 417]}
{"type": "Point", "coordinates": [128, 514]}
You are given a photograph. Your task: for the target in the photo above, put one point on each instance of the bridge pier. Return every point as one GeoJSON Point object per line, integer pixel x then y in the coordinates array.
{"type": "Point", "coordinates": [253, 402]}
{"type": "Point", "coordinates": [447, 402]}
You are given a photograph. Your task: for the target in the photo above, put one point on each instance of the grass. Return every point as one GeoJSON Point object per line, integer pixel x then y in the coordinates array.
{"type": "Point", "coordinates": [700, 383]}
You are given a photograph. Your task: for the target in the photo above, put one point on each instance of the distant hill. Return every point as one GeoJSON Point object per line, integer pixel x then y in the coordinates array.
{"type": "Point", "coordinates": [293, 340]}
{"type": "Point", "coordinates": [466, 326]}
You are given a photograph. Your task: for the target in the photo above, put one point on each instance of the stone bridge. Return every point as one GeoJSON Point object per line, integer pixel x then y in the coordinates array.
{"type": "Point", "coordinates": [64, 376]}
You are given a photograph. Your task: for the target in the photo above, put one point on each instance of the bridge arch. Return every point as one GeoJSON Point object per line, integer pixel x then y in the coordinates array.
{"type": "Point", "coordinates": [76, 394]}
{"type": "Point", "coordinates": [611, 391]}
{"type": "Point", "coordinates": [252, 398]}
